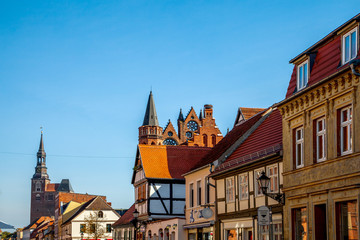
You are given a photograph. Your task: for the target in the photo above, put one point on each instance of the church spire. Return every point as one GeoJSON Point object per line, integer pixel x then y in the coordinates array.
{"type": "Point", "coordinates": [41, 169]}
{"type": "Point", "coordinates": [150, 118]}
{"type": "Point", "coordinates": [181, 116]}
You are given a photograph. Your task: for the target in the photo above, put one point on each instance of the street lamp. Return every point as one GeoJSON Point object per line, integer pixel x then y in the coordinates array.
{"type": "Point", "coordinates": [135, 222]}
{"type": "Point", "coordinates": [264, 181]}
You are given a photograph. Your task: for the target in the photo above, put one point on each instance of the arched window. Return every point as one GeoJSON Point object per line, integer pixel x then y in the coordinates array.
{"type": "Point", "coordinates": [153, 143]}
{"type": "Point", "coordinates": [37, 197]}
{"type": "Point", "coordinates": [149, 234]}
{"type": "Point", "coordinates": [213, 140]}
{"type": "Point", "coordinates": [100, 214]}
{"type": "Point", "coordinates": [205, 140]}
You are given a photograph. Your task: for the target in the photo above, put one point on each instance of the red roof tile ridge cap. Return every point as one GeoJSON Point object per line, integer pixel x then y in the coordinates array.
{"type": "Point", "coordinates": [226, 165]}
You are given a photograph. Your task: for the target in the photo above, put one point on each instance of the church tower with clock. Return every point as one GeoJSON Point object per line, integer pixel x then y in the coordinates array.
{"type": "Point", "coordinates": [193, 130]}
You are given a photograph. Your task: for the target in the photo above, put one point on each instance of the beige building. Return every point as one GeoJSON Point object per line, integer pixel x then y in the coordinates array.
{"type": "Point", "coordinates": [257, 149]}
{"type": "Point", "coordinates": [200, 204]}
{"type": "Point", "coordinates": [321, 114]}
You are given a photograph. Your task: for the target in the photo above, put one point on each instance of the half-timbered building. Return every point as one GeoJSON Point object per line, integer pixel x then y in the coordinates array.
{"type": "Point", "coordinates": [158, 182]}
{"type": "Point", "coordinates": [254, 146]}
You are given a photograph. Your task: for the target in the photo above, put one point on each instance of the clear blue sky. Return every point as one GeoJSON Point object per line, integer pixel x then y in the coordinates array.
{"type": "Point", "coordinates": [83, 70]}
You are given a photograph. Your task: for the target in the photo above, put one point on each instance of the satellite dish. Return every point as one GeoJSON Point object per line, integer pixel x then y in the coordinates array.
{"type": "Point", "coordinates": [207, 213]}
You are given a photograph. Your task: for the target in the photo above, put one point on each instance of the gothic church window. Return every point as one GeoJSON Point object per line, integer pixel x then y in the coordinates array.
{"type": "Point", "coordinates": [37, 197]}
{"type": "Point", "coordinates": [169, 141]}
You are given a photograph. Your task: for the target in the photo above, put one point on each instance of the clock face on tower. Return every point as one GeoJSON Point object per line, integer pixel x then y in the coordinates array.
{"type": "Point", "coordinates": [192, 126]}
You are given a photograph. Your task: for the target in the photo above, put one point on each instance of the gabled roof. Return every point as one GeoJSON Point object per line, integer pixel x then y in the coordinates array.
{"type": "Point", "coordinates": [246, 113]}
{"type": "Point", "coordinates": [150, 117]}
{"type": "Point", "coordinates": [264, 141]}
{"type": "Point", "coordinates": [126, 218]}
{"type": "Point", "coordinates": [169, 162]}
{"type": "Point", "coordinates": [228, 141]}
{"type": "Point", "coordinates": [98, 203]}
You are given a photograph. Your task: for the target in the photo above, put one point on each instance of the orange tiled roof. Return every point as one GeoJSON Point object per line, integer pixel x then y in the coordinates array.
{"type": "Point", "coordinates": [154, 161]}
{"type": "Point", "coordinates": [51, 187]}
{"type": "Point", "coordinates": [170, 162]}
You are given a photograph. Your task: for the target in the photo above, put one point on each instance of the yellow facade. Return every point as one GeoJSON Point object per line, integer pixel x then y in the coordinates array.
{"type": "Point", "coordinates": [321, 186]}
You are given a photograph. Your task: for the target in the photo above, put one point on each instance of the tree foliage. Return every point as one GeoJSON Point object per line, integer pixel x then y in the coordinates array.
{"type": "Point", "coordinates": [93, 229]}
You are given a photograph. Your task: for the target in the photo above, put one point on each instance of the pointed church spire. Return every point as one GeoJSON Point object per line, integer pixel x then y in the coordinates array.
{"type": "Point", "coordinates": [181, 116]}
{"type": "Point", "coordinates": [201, 115]}
{"type": "Point", "coordinates": [41, 153]}
{"type": "Point", "coordinates": [150, 118]}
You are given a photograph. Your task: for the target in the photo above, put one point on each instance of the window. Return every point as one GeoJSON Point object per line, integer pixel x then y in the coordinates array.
{"type": "Point", "coordinates": [100, 214]}
{"type": "Point", "coordinates": [37, 197]}
{"type": "Point", "coordinates": [320, 140]}
{"type": "Point", "coordinates": [50, 197]}
{"type": "Point", "coordinates": [141, 194]}
{"type": "Point", "coordinates": [82, 228]}
{"type": "Point", "coordinates": [213, 140]}
{"type": "Point", "coordinates": [274, 178]}
{"type": "Point", "coordinates": [349, 46]}
{"type": "Point", "coordinates": [230, 194]}
{"type": "Point", "coordinates": [38, 186]}
{"type": "Point", "coordinates": [257, 174]}
{"type": "Point", "coordinates": [302, 75]}
{"type": "Point", "coordinates": [198, 193]}
{"type": "Point", "coordinates": [243, 186]}
{"type": "Point", "coordinates": [299, 223]}
{"type": "Point", "coordinates": [346, 130]}
{"type": "Point", "coordinates": [108, 228]}
{"type": "Point", "coordinates": [299, 147]}
{"type": "Point", "coordinates": [277, 232]}
{"type": "Point", "coordinates": [126, 235]}
{"type": "Point", "coordinates": [207, 190]}
{"type": "Point", "coordinates": [191, 194]}
{"type": "Point", "coordinates": [205, 140]}
{"type": "Point", "coordinates": [347, 220]}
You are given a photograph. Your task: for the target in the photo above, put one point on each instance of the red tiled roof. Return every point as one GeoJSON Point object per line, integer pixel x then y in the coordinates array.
{"type": "Point", "coordinates": [327, 60]}
{"type": "Point", "coordinates": [265, 140]}
{"type": "Point", "coordinates": [170, 161]}
{"type": "Point", "coordinates": [126, 218]}
{"type": "Point", "coordinates": [228, 141]}
{"type": "Point", "coordinates": [52, 187]}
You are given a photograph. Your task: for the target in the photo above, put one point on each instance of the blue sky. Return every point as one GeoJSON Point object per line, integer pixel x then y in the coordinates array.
{"type": "Point", "coordinates": [83, 70]}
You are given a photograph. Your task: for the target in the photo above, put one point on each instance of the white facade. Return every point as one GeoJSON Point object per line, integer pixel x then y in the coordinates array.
{"type": "Point", "coordinates": [109, 218]}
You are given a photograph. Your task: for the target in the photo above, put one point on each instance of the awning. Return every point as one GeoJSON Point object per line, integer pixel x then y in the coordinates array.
{"type": "Point", "coordinates": [199, 225]}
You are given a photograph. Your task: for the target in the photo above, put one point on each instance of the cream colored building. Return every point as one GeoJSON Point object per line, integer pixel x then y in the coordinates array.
{"type": "Point", "coordinates": [200, 204]}
{"type": "Point", "coordinates": [321, 129]}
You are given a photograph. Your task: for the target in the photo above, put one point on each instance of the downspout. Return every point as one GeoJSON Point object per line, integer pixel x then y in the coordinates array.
{"type": "Point", "coordinates": [353, 64]}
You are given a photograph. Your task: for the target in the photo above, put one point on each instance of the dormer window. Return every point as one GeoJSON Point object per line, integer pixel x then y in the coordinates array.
{"type": "Point", "coordinates": [302, 75]}
{"type": "Point", "coordinates": [349, 46]}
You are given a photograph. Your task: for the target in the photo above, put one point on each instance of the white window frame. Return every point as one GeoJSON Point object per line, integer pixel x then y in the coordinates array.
{"type": "Point", "coordinates": [305, 81]}
{"type": "Point", "coordinates": [273, 176]}
{"type": "Point", "coordinates": [257, 174]}
{"type": "Point", "coordinates": [318, 135]}
{"type": "Point", "coordinates": [347, 124]}
{"type": "Point", "coordinates": [348, 34]}
{"type": "Point", "coordinates": [228, 188]}
{"type": "Point", "coordinates": [300, 142]}
{"type": "Point", "coordinates": [244, 184]}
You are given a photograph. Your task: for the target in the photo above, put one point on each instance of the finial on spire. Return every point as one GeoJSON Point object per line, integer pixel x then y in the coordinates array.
{"type": "Point", "coordinates": [41, 129]}
{"type": "Point", "coordinates": [181, 116]}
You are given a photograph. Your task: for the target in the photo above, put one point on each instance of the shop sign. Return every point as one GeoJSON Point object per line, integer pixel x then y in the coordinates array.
{"type": "Point", "coordinates": [263, 216]}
